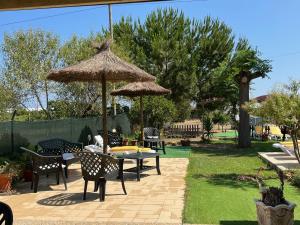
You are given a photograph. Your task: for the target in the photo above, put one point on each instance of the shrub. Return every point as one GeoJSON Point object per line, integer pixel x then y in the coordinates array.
{"type": "Point", "coordinates": [157, 111]}
{"type": "Point", "coordinates": [295, 180]}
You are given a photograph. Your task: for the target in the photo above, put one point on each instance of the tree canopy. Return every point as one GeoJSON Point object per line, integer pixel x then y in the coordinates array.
{"type": "Point", "coordinates": [200, 61]}
{"type": "Point", "coordinates": [28, 57]}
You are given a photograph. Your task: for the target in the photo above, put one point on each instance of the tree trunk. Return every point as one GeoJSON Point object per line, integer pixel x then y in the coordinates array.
{"type": "Point", "coordinates": [244, 131]}
{"type": "Point", "coordinates": [295, 143]}
{"type": "Point", "coordinates": [142, 118]}
{"type": "Point", "coordinates": [104, 121]}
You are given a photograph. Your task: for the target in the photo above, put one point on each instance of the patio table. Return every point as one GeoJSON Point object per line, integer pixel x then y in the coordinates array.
{"type": "Point", "coordinates": [139, 157]}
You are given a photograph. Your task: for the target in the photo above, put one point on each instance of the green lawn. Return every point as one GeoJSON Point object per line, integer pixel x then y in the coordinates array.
{"type": "Point", "coordinates": [176, 152]}
{"type": "Point", "coordinates": [215, 195]}
{"type": "Point", "coordinates": [228, 134]}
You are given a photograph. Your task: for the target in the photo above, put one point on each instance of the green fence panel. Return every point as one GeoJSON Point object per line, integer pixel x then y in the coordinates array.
{"type": "Point", "coordinates": [71, 129]}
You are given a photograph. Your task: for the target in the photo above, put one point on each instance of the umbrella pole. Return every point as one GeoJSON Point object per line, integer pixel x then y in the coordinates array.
{"type": "Point", "coordinates": [142, 118]}
{"type": "Point", "coordinates": [104, 120]}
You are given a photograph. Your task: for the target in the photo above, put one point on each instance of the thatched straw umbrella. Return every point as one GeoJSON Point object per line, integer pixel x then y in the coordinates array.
{"type": "Point", "coordinates": [141, 89]}
{"type": "Point", "coordinates": [103, 67]}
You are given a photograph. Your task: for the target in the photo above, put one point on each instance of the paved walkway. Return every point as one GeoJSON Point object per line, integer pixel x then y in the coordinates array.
{"type": "Point", "coordinates": [280, 160]}
{"type": "Point", "coordinates": [154, 200]}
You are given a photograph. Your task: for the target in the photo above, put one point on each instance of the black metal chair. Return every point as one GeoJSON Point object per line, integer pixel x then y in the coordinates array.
{"type": "Point", "coordinates": [152, 139]}
{"type": "Point", "coordinates": [62, 147]}
{"type": "Point", "coordinates": [100, 168]}
{"type": "Point", "coordinates": [45, 165]}
{"type": "Point", "coordinates": [6, 214]}
{"type": "Point", "coordinates": [114, 139]}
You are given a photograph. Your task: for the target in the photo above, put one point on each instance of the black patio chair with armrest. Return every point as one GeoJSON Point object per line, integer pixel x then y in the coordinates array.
{"type": "Point", "coordinates": [99, 168]}
{"type": "Point", "coordinates": [152, 139]}
{"type": "Point", "coordinates": [58, 146]}
{"type": "Point", "coordinates": [45, 165]}
{"type": "Point", "coordinates": [6, 214]}
{"type": "Point", "coordinates": [114, 138]}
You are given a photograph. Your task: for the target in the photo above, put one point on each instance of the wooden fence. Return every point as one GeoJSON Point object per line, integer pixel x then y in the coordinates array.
{"type": "Point", "coordinates": [183, 131]}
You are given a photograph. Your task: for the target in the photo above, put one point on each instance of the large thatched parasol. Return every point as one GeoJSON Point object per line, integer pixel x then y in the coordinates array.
{"type": "Point", "coordinates": [141, 89]}
{"type": "Point", "coordinates": [103, 67]}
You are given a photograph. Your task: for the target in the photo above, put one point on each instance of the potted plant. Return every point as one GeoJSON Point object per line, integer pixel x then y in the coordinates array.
{"type": "Point", "coordinates": [125, 142]}
{"type": "Point", "coordinates": [272, 208]}
{"type": "Point", "coordinates": [27, 172]}
{"type": "Point", "coordinates": [134, 142]}
{"type": "Point", "coordinates": [9, 171]}
{"type": "Point", "coordinates": [137, 135]}
{"type": "Point", "coordinates": [5, 178]}
{"type": "Point", "coordinates": [185, 142]}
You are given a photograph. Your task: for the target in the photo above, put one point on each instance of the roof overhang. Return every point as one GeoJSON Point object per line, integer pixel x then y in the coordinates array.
{"type": "Point", "coordinates": [38, 4]}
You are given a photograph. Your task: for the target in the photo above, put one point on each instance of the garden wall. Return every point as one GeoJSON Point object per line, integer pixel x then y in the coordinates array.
{"type": "Point", "coordinates": [75, 130]}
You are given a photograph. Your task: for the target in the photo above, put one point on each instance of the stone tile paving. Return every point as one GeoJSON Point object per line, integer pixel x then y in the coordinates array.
{"type": "Point", "coordinates": [154, 200]}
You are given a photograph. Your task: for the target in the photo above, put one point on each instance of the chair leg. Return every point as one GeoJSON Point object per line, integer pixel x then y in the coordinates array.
{"type": "Point", "coordinates": [64, 179]}
{"type": "Point", "coordinates": [66, 171]}
{"type": "Point", "coordinates": [163, 147]}
{"type": "Point", "coordinates": [96, 186]}
{"type": "Point", "coordinates": [32, 179]}
{"type": "Point", "coordinates": [57, 178]}
{"type": "Point", "coordinates": [123, 184]}
{"type": "Point", "coordinates": [85, 188]}
{"type": "Point", "coordinates": [36, 182]}
{"type": "Point", "coordinates": [102, 187]}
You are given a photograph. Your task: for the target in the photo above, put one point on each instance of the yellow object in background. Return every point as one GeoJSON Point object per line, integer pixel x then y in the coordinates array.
{"type": "Point", "coordinates": [129, 149]}
{"type": "Point", "coordinates": [275, 130]}
{"type": "Point", "coordinates": [259, 130]}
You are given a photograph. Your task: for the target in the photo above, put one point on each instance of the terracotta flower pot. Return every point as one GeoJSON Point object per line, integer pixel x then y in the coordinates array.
{"type": "Point", "coordinates": [185, 142]}
{"type": "Point", "coordinates": [27, 175]}
{"type": "Point", "coordinates": [125, 142]}
{"type": "Point", "coordinates": [278, 215]}
{"type": "Point", "coordinates": [5, 182]}
{"type": "Point", "coordinates": [134, 142]}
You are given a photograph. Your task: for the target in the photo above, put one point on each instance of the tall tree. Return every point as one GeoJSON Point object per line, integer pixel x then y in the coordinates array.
{"type": "Point", "coordinates": [162, 46]}
{"type": "Point", "coordinates": [28, 57]}
{"type": "Point", "coordinates": [214, 44]}
{"type": "Point", "coordinates": [7, 102]}
{"type": "Point", "coordinates": [247, 65]}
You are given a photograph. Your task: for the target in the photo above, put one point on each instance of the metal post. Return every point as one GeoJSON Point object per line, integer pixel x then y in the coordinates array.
{"type": "Point", "coordinates": [111, 31]}
{"type": "Point", "coordinates": [12, 131]}
{"type": "Point", "coordinates": [142, 118]}
{"type": "Point", "coordinates": [104, 119]}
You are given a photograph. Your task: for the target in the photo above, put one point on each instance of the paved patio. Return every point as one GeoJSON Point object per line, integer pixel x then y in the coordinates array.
{"type": "Point", "coordinates": [156, 199]}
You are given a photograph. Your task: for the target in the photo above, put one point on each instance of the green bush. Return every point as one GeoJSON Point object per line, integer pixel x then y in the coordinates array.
{"type": "Point", "coordinates": [208, 126]}
{"type": "Point", "coordinates": [157, 111]}
{"type": "Point", "coordinates": [296, 179]}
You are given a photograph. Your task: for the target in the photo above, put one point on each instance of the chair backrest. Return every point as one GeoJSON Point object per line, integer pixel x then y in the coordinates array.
{"type": "Point", "coordinates": [58, 146]}
{"type": "Point", "coordinates": [52, 146]}
{"type": "Point", "coordinates": [151, 132]}
{"type": "Point", "coordinates": [6, 214]}
{"type": "Point", "coordinates": [114, 139]}
{"type": "Point", "coordinates": [42, 163]}
{"type": "Point", "coordinates": [96, 165]}
{"type": "Point", "coordinates": [70, 147]}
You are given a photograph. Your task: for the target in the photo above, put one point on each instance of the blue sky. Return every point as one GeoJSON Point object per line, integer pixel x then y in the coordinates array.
{"type": "Point", "coordinates": [270, 25]}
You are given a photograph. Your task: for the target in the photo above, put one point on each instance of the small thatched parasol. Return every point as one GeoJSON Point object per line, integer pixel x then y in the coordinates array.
{"type": "Point", "coordinates": [103, 67]}
{"type": "Point", "coordinates": [141, 89]}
